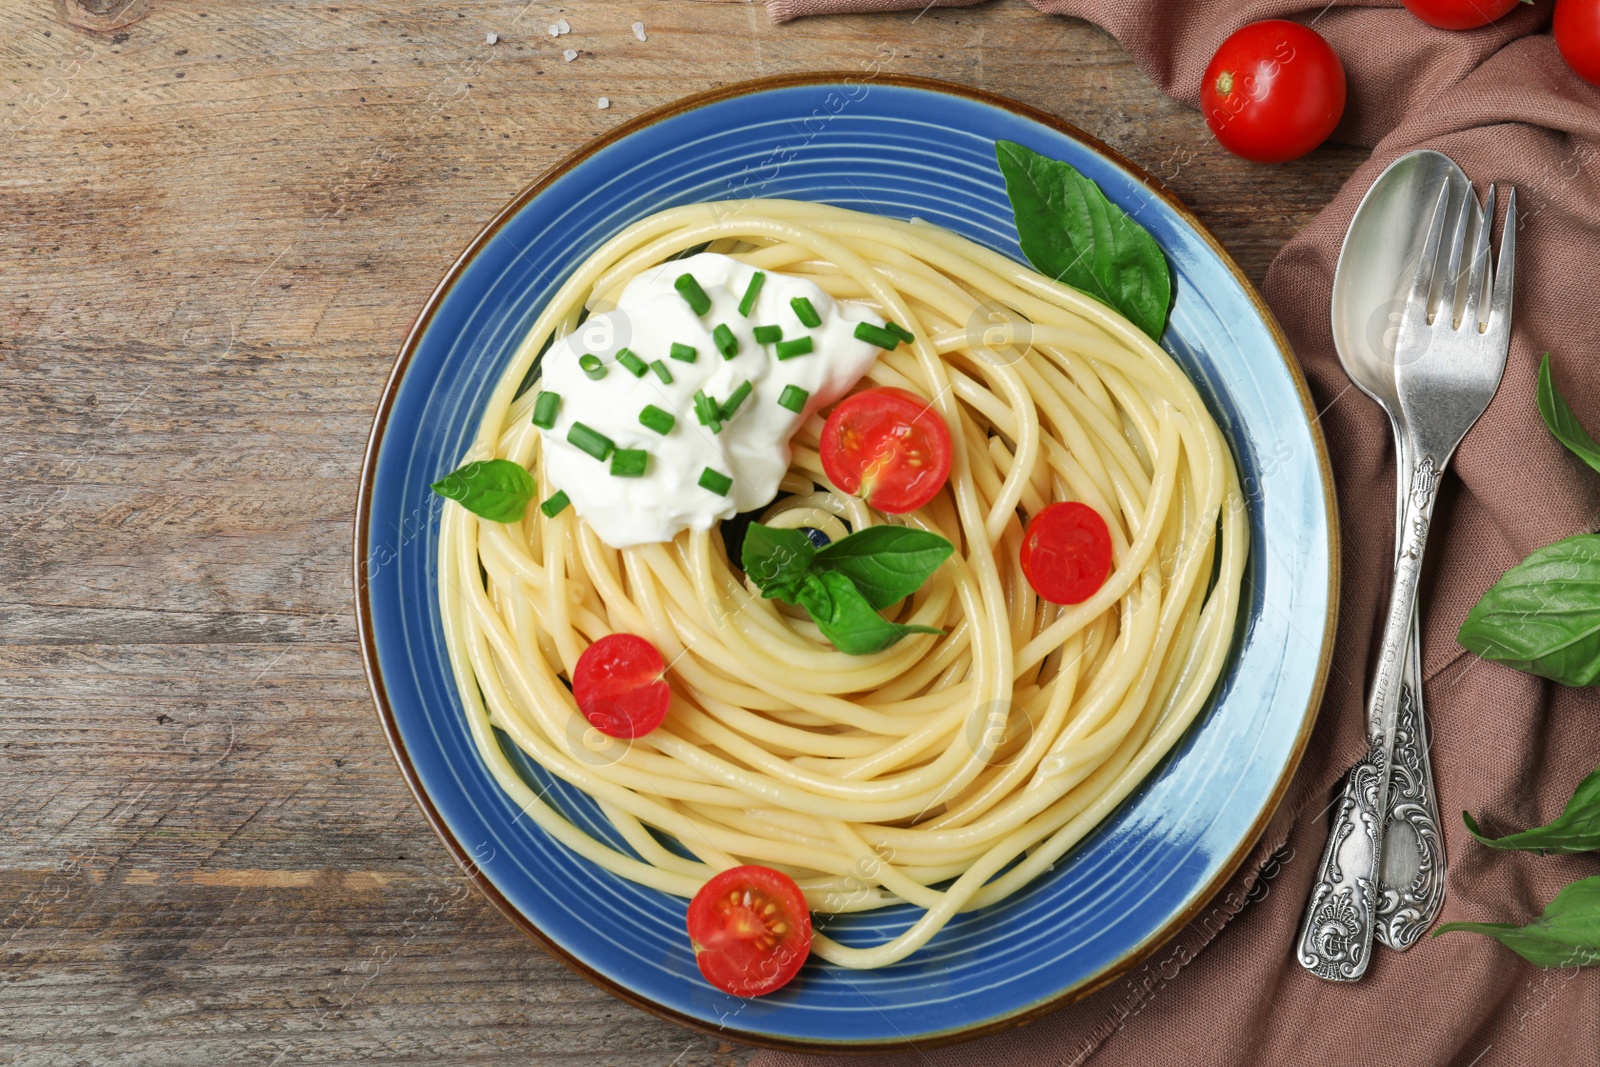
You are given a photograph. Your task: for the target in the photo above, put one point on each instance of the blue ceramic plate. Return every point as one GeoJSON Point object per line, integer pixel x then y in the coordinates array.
{"type": "Point", "coordinates": [899, 147]}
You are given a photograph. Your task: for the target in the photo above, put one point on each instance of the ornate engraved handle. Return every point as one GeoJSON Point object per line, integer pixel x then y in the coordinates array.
{"type": "Point", "coordinates": [1411, 873]}
{"type": "Point", "coordinates": [1342, 916]}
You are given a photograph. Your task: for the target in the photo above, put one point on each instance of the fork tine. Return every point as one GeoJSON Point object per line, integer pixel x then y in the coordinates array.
{"type": "Point", "coordinates": [1505, 271]}
{"type": "Point", "coordinates": [1457, 239]}
{"type": "Point", "coordinates": [1473, 311]}
{"type": "Point", "coordinates": [1415, 311]}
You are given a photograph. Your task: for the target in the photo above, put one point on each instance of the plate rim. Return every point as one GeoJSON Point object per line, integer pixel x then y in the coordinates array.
{"type": "Point", "coordinates": [368, 643]}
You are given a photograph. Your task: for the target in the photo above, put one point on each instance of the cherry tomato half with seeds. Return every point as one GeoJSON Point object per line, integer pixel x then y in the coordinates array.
{"type": "Point", "coordinates": [1273, 92]}
{"type": "Point", "coordinates": [889, 446]}
{"type": "Point", "coordinates": [750, 929]}
{"type": "Point", "coordinates": [1577, 31]}
{"type": "Point", "coordinates": [619, 688]}
{"type": "Point", "coordinates": [1066, 552]}
{"type": "Point", "coordinates": [1460, 14]}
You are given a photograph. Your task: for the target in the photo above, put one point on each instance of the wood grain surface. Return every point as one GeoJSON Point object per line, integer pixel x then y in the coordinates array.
{"type": "Point", "coordinates": [216, 224]}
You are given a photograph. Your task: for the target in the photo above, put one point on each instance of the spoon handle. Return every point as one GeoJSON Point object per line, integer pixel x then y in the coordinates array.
{"type": "Point", "coordinates": [1342, 916]}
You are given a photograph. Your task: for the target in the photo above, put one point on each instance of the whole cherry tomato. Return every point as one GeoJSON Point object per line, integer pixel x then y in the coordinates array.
{"type": "Point", "coordinates": [618, 685]}
{"type": "Point", "coordinates": [750, 930]}
{"type": "Point", "coordinates": [889, 446]}
{"type": "Point", "coordinates": [1273, 92]}
{"type": "Point", "coordinates": [1577, 30]}
{"type": "Point", "coordinates": [1460, 14]}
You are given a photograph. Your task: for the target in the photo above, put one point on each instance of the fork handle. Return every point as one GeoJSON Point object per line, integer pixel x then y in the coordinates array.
{"type": "Point", "coordinates": [1342, 916]}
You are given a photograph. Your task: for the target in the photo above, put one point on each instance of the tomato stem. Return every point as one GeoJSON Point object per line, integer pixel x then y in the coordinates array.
{"type": "Point", "coordinates": [1225, 83]}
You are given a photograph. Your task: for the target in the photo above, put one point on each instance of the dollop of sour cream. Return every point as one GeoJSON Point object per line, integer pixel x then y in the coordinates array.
{"type": "Point", "coordinates": [752, 448]}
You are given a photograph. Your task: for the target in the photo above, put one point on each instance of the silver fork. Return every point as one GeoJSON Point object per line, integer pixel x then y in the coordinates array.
{"type": "Point", "coordinates": [1447, 369]}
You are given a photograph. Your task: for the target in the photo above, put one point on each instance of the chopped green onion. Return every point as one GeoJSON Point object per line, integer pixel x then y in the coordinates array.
{"type": "Point", "coordinates": [555, 504]}
{"type": "Point", "coordinates": [877, 335]}
{"type": "Point", "coordinates": [900, 331]}
{"type": "Point", "coordinates": [715, 481]}
{"type": "Point", "coordinates": [794, 398]}
{"type": "Point", "coordinates": [769, 335]}
{"type": "Point", "coordinates": [592, 366]}
{"type": "Point", "coordinates": [656, 419]}
{"type": "Point", "coordinates": [662, 372]}
{"type": "Point", "coordinates": [632, 362]}
{"type": "Point", "coordinates": [707, 411]}
{"type": "Point", "coordinates": [735, 398]}
{"type": "Point", "coordinates": [629, 462]}
{"type": "Point", "coordinates": [684, 352]}
{"type": "Point", "coordinates": [748, 304]}
{"type": "Point", "coordinates": [691, 292]}
{"type": "Point", "coordinates": [725, 341]}
{"type": "Point", "coordinates": [591, 441]}
{"type": "Point", "coordinates": [799, 346]}
{"type": "Point", "coordinates": [805, 313]}
{"type": "Point", "coordinates": [545, 408]}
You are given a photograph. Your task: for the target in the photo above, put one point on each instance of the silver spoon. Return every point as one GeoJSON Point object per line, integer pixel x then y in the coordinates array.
{"type": "Point", "coordinates": [1380, 254]}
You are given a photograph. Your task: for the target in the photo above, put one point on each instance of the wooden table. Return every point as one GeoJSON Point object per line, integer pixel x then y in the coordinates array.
{"type": "Point", "coordinates": [217, 223]}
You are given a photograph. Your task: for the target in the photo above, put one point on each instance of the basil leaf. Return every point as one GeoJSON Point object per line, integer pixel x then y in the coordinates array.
{"type": "Point", "coordinates": [1070, 231]}
{"type": "Point", "coordinates": [1566, 935]}
{"type": "Point", "coordinates": [886, 563]}
{"type": "Point", "coordinates": [496, 489]}
{"type": "Point", "coordinates": [1562, 422]}
{"type": "Point", "coordinates": [1576, 829]}
{"type": "Point", "coordinates": [846, 618]}
{"type": "Point", "coordinates": [778, 561]}
{"type": "Point", "coordinates": [1543, 615]}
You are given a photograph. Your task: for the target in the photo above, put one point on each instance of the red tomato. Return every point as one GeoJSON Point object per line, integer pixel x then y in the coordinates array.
{"type": "Point", "coordinates": [619, 686]}
{"type": "Point", "coordinates": [750, 929]}
{"type": "Point", "coordinates": [1066, 552]}
{"type": "Point", "coordinates": [1460, 14]}
{"type": "Point", "coordinates": [889, 446]}
{"type": "Point", "coordinates": [1273, 92]}
{"type": "Point", "coordinates": [1577, 30]}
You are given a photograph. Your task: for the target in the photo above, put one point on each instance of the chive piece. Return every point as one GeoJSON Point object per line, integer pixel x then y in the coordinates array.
{"type": "Point", "coordinates": [707, 411]}
{"type": "Point", "coordinates": [805, 313]}
{"type": "Point", "coordinates": [592, 366]}
{"type": "Point", "coordinates": [691, 292]}
{"type": "Point", "coordinates": [591, 441]}
{"type": "Point", "coordinates": [684, 352]}
{"type": "Point", "coordinates": [748, 304]}
{"type": "Point", "coordinates": [769, 335]}
{"type": "Point", "coordinates": [545, 408]}
{"type": "Point", "coordinates": [715, 481]}
{"type": "Point", "coordinates": [725, 341]}
{"type": "Point", "coordinates": [877, 335]}
{"type": "Point", "coordinates": [900, 331]}
{"type": "Point", "coordinates": [555, 504]}
{"type": "Point", "coordinates": [656, 419]}
{"type": "Point", "coordinates": [632, 362]}
{"type": "Point", "coordinates": [799, 346]}
{"type": "Point", "coordinates": [794, 398]}
{"type": "Point", "coordinates": [735, 398]}
{"type": "Point", "coordinates": [628, 462]}
{"type": "Point", "coordinates": [662, 372]}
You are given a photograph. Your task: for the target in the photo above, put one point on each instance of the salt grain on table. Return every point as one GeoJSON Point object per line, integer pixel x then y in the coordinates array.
{"type": "Point", "coordinates": [605, 102]}
{"type": "Point", "coordinates": [570, 54]}
{"type": "Point", "coordinates": [491, 38]}
{"type": "Point", "coordinates": [563, 26]}
{"type": "Point", "coordinates": [638, 31]}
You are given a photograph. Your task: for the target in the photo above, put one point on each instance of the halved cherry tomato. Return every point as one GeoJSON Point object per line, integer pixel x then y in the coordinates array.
{"type": "Point", "coordinates": [1273, 92]}
{"type": "Point", "coordinates": [1066, 552]}
{"type": "Point", "coordinates": [750, 929]}
{"type": "Point", "coordinates": [1577, 30]}
{"type": "Point", "coordinates": [619, 687]}
{"type": "Point", "coordinates": [1460, 14]}
{"type": "Point", "coordinates": [889, 446]}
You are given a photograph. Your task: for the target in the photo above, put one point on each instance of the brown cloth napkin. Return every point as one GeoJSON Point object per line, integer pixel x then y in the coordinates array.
{"type": "Point", "coordinates": [1508, 747]}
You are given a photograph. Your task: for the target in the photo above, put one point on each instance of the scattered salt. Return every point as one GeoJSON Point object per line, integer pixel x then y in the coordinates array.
{"type": "Point", "coordinates": [638, 31]}
{"type": "Point", "coordinates": [555, 31]}
{"type": "Point", "coordinates": [605, 102]}
{"type": "Point", "coordinates": [491, 38]}
{"type": "Point", "coordinates": [563, 26]}
{"type": "Point", "coordinates": [570, 54]}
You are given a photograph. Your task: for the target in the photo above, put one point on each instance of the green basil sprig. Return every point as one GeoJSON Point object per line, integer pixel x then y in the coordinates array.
{"type": "Point", "coordinates": [496, 489]}
{"type": "Point", "coordinates": [1566, 935]}
{"type": "Point", "coordinates": [1543, 615]}
{"type": "Point", "coordinates": [1071, 232]}
{"type": "Point", "coordinates": [1576, 829]}
{"type": "Point", "coordinates": [843, 585]}
{"type": "Point", "coordinates": [1558, 415]}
